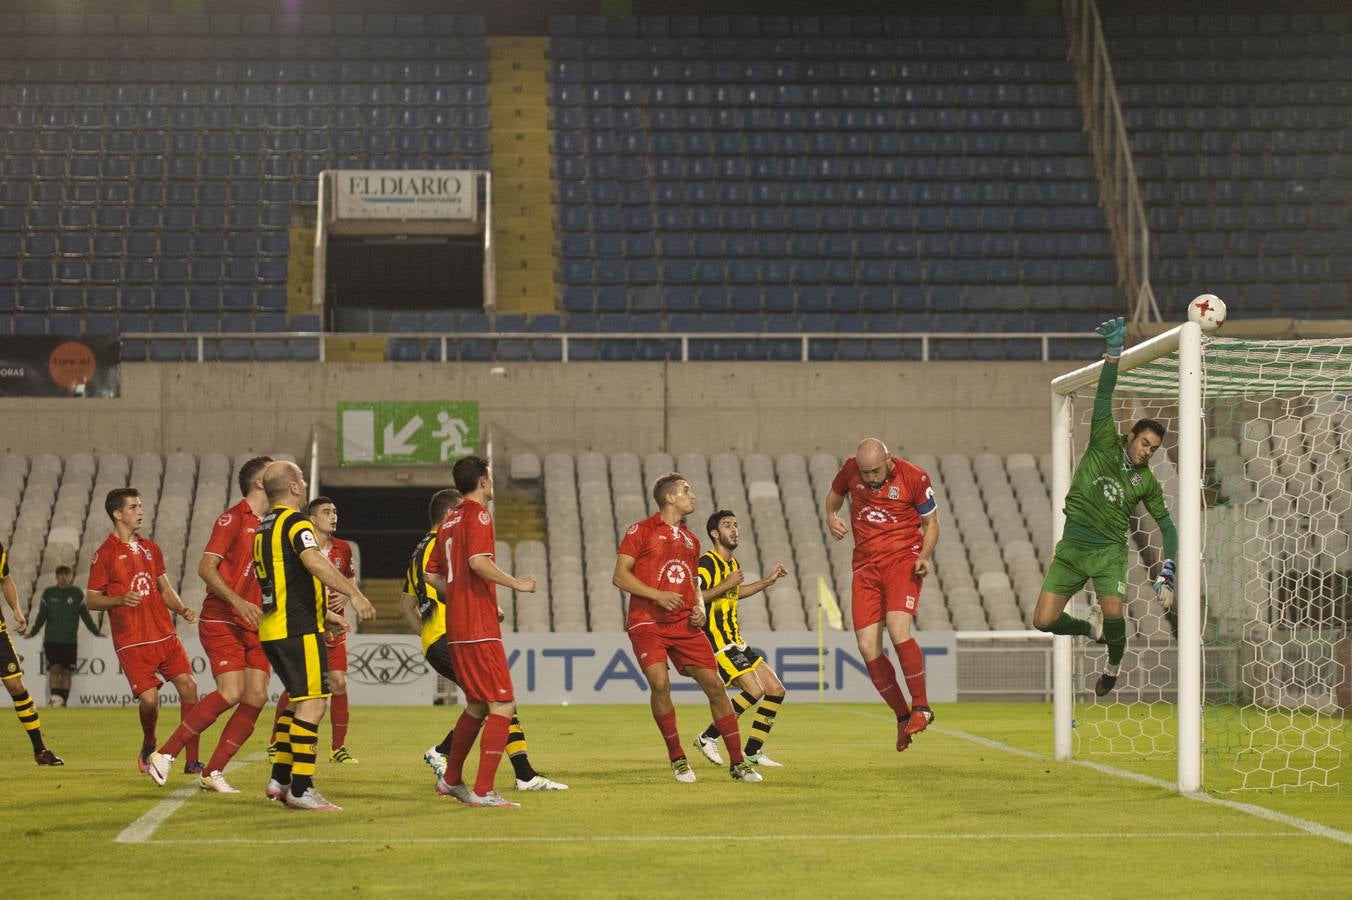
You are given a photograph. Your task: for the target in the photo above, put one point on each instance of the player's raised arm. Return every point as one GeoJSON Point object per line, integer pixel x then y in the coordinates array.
{"type": "Point", "coordinates": [318, 565]}
{"type": "Point", "coordinates": [759, 585]}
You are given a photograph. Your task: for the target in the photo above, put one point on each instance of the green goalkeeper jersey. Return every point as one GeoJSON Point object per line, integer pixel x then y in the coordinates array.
{"type": "Point", "coordinates": [1106, 487]}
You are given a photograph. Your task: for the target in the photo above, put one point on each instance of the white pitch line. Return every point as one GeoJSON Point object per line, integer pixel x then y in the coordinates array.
{"type": "Point", "coordinates": [694, 838]}
{"type": "Point", "coordinates": [139, 832]}
{"type": "Point", "coordinates": [1313, 828]}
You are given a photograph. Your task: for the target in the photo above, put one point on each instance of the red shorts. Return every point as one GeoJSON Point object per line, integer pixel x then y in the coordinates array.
{"type": "Point", "coordinates": [481, 671]}
{"type": "Point", "coordinates": [890, 585]}
{"type": "Point", "coordinates": [231, 647]}
{"type": "Point", "coordinates": [144, 663]}
{"type": "Point", "coordinates": [337, 644]}
{"type": "Point", "coordinates": [685, 645]}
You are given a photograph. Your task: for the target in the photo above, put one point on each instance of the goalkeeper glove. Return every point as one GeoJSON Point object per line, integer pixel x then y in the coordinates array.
{"type": "Point", "coordinates": [1114, 332]}
{"type": "Point", "coordinates": [1164, 585]}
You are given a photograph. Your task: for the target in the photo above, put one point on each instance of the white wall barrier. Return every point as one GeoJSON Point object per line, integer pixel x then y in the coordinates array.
{"type": "Point", "coordinates": [389, 670]}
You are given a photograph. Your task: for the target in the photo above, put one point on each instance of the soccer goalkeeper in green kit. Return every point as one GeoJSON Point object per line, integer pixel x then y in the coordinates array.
{"type": "Point", "coordinates": [1112, 477]}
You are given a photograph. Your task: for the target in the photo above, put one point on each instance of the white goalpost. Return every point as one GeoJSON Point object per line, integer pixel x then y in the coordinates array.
{"type": "Point", "coordinates": [1252, 677]}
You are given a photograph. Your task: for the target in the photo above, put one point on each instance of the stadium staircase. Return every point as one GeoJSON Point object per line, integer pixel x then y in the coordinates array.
{"type": "Point", "coordinates": [384, 595]}
{"type": "Point", "coordinates": [523, 220]}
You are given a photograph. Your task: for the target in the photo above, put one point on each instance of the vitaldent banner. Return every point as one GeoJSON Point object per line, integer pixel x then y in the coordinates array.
{"type": "Point", "coordinates": [412, 194]}
{"type": "Point", "coordinates": [52, 366]}
{"type": "Point", "coordinates": [554, 669]}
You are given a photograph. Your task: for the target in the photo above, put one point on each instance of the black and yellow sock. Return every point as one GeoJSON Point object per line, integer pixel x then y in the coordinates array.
{"type": "Point", "coordinates": [516, 751]}
{"type": "Point", "coordinates": [763, 722]}
{"type": "Point", "coordinates": [740, 704]}
{"type": "Point", "coordinates": [281, 738]}
{"type": "Point", "coordinates": [28, 718]}
{"type": "Point", "coordinates": [1067, 624]}
{"type": "Point", "coordinates": [1115, 635]}
{"type": "Point", "coordinates": [304, 742]}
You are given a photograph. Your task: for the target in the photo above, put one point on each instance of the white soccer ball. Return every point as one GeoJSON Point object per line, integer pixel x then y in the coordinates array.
{"type": "Point", "coordinates": [1208, 311]}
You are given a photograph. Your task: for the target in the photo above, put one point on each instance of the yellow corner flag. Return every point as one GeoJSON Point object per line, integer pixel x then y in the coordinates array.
{"type": "Point", "coordinates": [826, 601]}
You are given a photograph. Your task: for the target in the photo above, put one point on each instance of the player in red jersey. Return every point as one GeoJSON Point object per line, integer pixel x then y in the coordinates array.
{"type": "Point", "coordinates": [657, 566]}
{"type": "Point", "coordinates": [896, 525]}
{"type": "Point", "coordinates": [462, 570]}
{"type": "Point", "coordinates": [127, 579]}
{"type": "Point", "coordinates": [323, 514]}
{"type": "Point", "coordinates": [228, 629]}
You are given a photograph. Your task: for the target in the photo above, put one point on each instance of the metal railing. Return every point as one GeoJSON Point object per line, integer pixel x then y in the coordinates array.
{"type": "Point", "coordinates": [1119, 189]}
{"type": "Point", "coordinates": [678, 343]}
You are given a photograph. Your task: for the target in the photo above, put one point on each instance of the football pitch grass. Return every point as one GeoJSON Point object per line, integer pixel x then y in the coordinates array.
{"type": "Point", "coordinates": [976, 807]}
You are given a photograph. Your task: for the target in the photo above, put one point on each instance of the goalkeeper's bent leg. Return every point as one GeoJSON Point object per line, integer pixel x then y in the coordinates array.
{"type": "Point", "coordinates": [1115, 635]}
{"type": "Point", "coordinates": [1068, 624]}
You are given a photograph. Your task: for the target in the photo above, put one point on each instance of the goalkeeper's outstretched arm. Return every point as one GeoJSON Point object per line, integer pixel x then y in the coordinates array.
{"type": "Point", "coordinates": [1114, 332]}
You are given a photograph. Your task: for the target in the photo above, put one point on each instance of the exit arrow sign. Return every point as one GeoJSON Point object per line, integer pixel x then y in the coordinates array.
{"type": "Point", "coordinates": [406, 432]}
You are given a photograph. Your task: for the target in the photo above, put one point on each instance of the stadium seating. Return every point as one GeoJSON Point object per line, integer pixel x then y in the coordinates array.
{"type": "Point", "coordinates": [836, 165]}
{"type": "Point", "coordinates": [159, 156]}
{"type": "Point", "coordinates": [1239, 128]}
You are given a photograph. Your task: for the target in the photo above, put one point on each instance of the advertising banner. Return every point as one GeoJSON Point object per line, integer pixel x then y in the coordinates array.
{"type": "Point", "coordinates": [553, 669]}
{"type": "Point", "coordinates": [397, 433]}
{"type": "Point", "coordinates": [54, 366]}
{"type": "Point", "coordinates": [405, 194]}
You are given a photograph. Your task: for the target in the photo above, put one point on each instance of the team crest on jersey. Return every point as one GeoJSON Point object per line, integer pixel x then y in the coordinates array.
{"type": "Point", "coordinates": [632, 528]}
{"type": "Point", "coordinates": [484, 517]}
{"type": "Point", "coordinates": [13, 667]}
{"type": "Point", "coordinates": [1135, 479]}
{"type": "Point", "coordinates": [224, 520]}
{"type": "Point", "coordinates": [893, 493]}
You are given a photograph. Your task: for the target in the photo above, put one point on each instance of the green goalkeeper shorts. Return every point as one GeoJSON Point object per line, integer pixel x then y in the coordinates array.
{"type": "Point", "coordinates": [1074, 563]}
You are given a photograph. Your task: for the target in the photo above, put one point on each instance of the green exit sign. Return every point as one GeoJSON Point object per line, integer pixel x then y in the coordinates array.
{"type": "Point", "coordinates": [389, 433]}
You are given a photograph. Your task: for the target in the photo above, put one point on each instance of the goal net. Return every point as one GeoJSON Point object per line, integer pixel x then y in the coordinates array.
{"type": "Point", "coordinates": [1268, 470]}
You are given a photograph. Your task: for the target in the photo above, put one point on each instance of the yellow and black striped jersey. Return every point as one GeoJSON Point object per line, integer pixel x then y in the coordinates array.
{"type": "Point", "coordinates": [430, 608]}
{"type": "Point", "coordinates": [293, 599]}
{"type": "Point", "coordinates": [4, 573]}
{"type": "Point", "coordinates": [721, 625]}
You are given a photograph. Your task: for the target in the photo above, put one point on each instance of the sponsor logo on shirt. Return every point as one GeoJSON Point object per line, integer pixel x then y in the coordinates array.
{"type": "Point", "coordinates": [674, 572]}
{"type": "Point", "coordinates": [308, 539]}
{"type": "Point", "coordinates": [1112, 489]}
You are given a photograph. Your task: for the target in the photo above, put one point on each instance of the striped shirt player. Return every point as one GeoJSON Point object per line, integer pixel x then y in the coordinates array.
{"type": "Point", "coordinates": [895, 523]}
{"type": "Point", "coordinates": [722, 583]}
{"type": "Point", "coordinates": [292, 577]}
{"type": "Point", "coordinates": [1111, 479]}
{"type": "Point", "coordinates": [11, 673]}
{"type": "Point", "coordinates": [422, 604]}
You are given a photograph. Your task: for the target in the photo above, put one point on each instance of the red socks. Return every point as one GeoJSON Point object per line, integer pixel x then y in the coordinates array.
{"type": "Point", "coordinates": [149, 716]}
{"type": "Point", "coordinates": [338, 716]}
{"type": "Point", "coordinates": [462, 738]}
{"type": "Point", "coordinates": [666, 723]}
{"type": "Point", "coordinates": [885, 681]}
{"type": "Point", "coordinates": [732, 737]}
{"type": "Point", "coordinates": [491, 746]}
{"type": "Point", "coordinates": [236, 732]}
{"type": "Point", "coordinates": [197, 718]}
{"type": "Point", "coordinates": [913, 670]}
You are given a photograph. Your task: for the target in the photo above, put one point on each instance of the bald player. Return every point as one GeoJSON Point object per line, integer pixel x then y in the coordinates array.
{"type": "Point", "coordinates": [896, 525]}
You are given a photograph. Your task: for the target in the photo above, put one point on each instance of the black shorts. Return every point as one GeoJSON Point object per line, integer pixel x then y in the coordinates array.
{"type": "Point", "coordinates": [61, 654]}
{"type": "Point", "coordinates": [737, 661]}
{"type": "Point", "coordinates": [302, 663]}
{"type": "Point", "coordinates": [439, 658]}
{"type": "Point", "coordinates": [9, 659]}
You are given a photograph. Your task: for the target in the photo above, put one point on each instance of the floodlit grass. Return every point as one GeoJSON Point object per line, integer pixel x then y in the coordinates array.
{"type": "Point", "coordinates": [956, 815]}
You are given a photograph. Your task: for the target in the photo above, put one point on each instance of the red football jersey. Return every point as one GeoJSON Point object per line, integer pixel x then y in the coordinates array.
{"type": "Point", "coordinates": [232, 539]}
{"type": "Point", "coordinates": [339, 552]}
{"type": "Point", "coordinates": [887, 521]}
{"type": "Point", "coordinates": [471, 602]}
{"type": "Point", "coordinates": [119, 567]}
{"type": "Point", "coordinates": [665, 557]}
